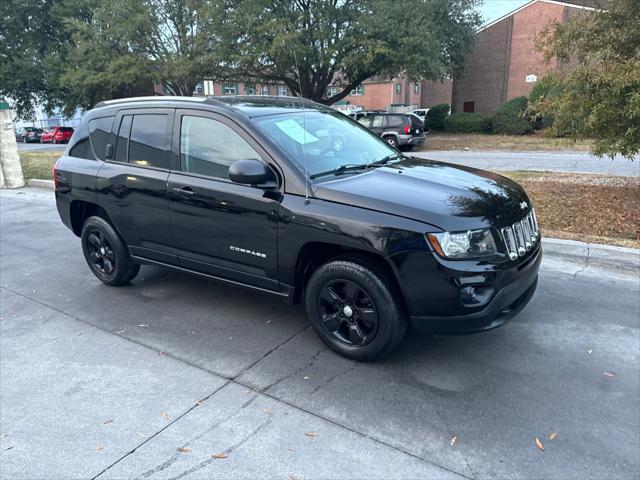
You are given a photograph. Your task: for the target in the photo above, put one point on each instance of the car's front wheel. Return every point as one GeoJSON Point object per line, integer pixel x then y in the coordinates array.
{"type": "Point", "coordinates": [106, 253]}
{"type": "Point", "coordinates": [355, 309]}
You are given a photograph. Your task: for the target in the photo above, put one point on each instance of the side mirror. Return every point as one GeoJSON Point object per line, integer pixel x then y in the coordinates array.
{"type": "Point", "coordinates": [108, 151]}
{"type": "Point", "coordinates": [252, 172]}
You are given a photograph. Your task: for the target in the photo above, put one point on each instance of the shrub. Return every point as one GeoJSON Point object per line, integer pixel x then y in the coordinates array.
{"type": "Point", "coordinates": [434, 119]}
{"type": "Point", "coordinates": [468, 123]}
{"type": "Point", "coordinates": [510, 117]}
{"type": "Point", "coordinates": [538, 111]}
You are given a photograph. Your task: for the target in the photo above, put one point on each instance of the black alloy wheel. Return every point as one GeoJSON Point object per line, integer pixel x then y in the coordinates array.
{"type": "Point", "coordinates": [348, 313]}
{"type": "Point", "coordinates": [100, 252]}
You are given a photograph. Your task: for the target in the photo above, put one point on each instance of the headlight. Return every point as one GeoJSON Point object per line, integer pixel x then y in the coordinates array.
{"type": "Point", "coordinates": [458, 245]}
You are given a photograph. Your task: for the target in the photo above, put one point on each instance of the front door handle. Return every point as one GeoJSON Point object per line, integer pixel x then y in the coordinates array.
{"type": "Point", "coordinates": [184, 191]}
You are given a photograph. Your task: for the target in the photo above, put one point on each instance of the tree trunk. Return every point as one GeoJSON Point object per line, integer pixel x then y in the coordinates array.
{"type": "Point", "coordinates": [11, 169]}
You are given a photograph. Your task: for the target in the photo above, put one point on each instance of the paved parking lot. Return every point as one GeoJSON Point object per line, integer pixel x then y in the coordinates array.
{"type": "Point", "coordinates": [174, 376]}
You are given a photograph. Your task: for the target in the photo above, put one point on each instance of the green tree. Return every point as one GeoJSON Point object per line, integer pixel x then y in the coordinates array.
{"type": "Point", "coordinates": [308, 43]}
{"type": "Point", "coordinates": [599, 97]}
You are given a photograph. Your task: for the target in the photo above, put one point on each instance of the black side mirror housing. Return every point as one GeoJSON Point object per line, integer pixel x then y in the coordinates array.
{"type": "Point", "coordinates": [252, 172]}
{"type": "Point", "coordinates": [108, 151]}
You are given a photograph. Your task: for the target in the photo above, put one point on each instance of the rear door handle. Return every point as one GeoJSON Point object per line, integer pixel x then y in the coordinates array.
{"type": "Point", "coordinates": [184, 191]}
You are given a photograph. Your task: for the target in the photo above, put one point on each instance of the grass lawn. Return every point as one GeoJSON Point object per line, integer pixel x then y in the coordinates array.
{"type": "Point", "coordinates": [37, 164]}
{"type": "Point", "coordinates": [589, 208]}
{"type": "Point", "coordinates": [477, 141]}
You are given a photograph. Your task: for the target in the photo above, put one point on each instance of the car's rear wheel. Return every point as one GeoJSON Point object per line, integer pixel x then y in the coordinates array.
{"type": "Point", "coordinates": [355, 309]}
{"type": "Point", "coordinates": [24, 139]}
{"type": "Point", "coordinates": [106, 253]}
{"type": "Point", "coordinates": [391, 140]}
{"type": "Point", "coordinates": [53, 140]}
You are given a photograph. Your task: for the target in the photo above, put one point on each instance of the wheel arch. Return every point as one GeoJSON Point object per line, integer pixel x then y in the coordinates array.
{"type": "Point", "coordinates": [314, 254]}
{"type": "Point", "coordinates": [80, 210]}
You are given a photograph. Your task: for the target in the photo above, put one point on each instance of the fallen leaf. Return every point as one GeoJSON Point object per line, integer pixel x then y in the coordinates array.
{"type": "Point", "coordinates": [306, 378]}
{"type": "Point", "coordinates": [2, 435]}
{"type": "Point", "coordinates": [589, 351]}
{"type": "Point", "coordinates": [184, 449]}
{"type": "Point", "coordinates": [200, 402]}
{"type": "Point", "coordinates": [219, 455]}
{"type": "Point", "coordinates": [293, 477]}
{"type": "Point", "coordinates": [553, 436]}
{"type": "Point", "coordinates": [607, 374]}
{"type": "Point", "coordinates": [539, 445]}
{"type": "Point", "coordinates": [312, 434]}
{"type": "Point", "coordinates": [119, 331]}
{"type": "Point", "coordinates": [266, 411]}
{"type": "Point", "coordinates": [99, 447]}
{"type": "Point", "coordinates": [453, 441]}
{"type": "Point", "coordinates": [141, 435]}
{"type": "Point", "coordinates": [143, 325]}
{"type": "Point", "coordinates": [165, 415]}
{"type": "Point", "coordinates": [9, 448]}
{"type": "Point", "coordinates": [107, 422]}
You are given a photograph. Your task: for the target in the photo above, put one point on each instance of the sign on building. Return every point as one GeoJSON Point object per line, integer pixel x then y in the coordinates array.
{"type": "Point", "coordinates": [531, 78]}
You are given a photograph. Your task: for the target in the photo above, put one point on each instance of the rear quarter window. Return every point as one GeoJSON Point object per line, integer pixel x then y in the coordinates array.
{"type": "Point", "coordinates": [79, 145]}
{"type": "Point", "coordinates": [100, 135]}
{"type": "Point", "coordinates": [396, 120]}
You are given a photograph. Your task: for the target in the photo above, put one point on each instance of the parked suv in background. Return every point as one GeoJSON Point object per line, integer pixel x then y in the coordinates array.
{"type": "Point", "coordinates": [421, 112]}
{"type": "Point", "coordinates": [258, 192]}
{"type": "Point", "coordinates": [400, 130]}
{"type": "Point", "coordinates": [28, 134]}
{"type": "Point", "coordinates": [57, 135]}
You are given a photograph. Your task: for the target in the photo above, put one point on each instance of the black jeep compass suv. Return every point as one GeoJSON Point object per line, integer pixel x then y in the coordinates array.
{"type": "Point", "coordinates": [292, 198]}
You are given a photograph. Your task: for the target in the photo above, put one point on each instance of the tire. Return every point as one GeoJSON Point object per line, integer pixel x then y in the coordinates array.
{"type": "Point", "coordinates": [24, 139]}
{"type": "Point", "coordinates": [391, 140]}
{"type": "Point", "coordinates": [53, 140]}
{"type": "Point", "coordinates": [106, 254]}
{"type": "Point", "coordinates": [344, 293]}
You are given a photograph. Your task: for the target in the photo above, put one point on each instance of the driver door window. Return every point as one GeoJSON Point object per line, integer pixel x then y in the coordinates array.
{"type": "Point", "coordinates": [208, 147]}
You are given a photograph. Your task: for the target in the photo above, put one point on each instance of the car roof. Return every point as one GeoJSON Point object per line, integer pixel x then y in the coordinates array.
{"type": "Point", "coordinates": [247, 105]}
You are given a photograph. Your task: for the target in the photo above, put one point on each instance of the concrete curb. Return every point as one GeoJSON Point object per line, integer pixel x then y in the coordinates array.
{"type": "Point", "coordinates": [592, 253]}
{"type": "Point", "coordinates": [37, 183]}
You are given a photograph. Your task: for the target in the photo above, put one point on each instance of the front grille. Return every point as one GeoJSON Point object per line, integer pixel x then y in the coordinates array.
{"type": "Point", "coordinates": [521, 237]}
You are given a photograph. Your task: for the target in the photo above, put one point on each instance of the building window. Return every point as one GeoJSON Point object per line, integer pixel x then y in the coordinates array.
{"type": "Point", "coordinates": [330, 92]}
{"type": "Point", "coordinates": [229, 89]}
{"type": "Point", "coordinates": [249, 89]}
{"type": "Point", "coordinates": [264, 90]}
{"type": "Point", "coordinates": [398, 88]}
{"type": "Point", "coordinates": [469, 107]}
{"type": "Point", "coordinates": [282, 90]}
{"type": "Point", "coordinates": [416, 88]}
{"type": "Point", "coordinates": [199, 89]}
{"type": "Point", "coordinates": [359, 90]}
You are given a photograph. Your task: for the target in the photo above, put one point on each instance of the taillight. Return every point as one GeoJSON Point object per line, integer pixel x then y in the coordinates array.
{"type": "Point", "coordinates": [55, 174]}
{"type": "Point", "coordinates": [407, 129]}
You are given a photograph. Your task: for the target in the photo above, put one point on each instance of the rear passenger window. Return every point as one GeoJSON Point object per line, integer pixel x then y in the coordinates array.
{"type": "Point", "coordinates": [378, 121]}
{"type": "Point", "coordinates": [149, 141]}
{"type": "Point", "coordinates": [122, 143]}
{"type": "Point", "coordinates": [100, 134]}
{"type": "Point", "coordinates": [209, 147]}
{"type": "Point", "coordinates": [395, 120]}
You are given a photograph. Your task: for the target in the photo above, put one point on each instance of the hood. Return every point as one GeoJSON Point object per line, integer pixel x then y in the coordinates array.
{"type": "Point", "coordinates": [447, 196]}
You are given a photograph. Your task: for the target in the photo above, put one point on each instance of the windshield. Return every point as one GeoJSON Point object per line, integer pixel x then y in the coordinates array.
{"type": "Point", "coordinates": [326, 140]}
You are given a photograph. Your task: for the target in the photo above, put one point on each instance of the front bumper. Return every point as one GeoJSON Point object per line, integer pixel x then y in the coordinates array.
{"type": "Point", "coordinates": [508, 300]}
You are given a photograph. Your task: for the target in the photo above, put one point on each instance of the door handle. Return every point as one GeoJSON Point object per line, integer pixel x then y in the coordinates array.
{"type": "Point", "coordinates": [184, 191]}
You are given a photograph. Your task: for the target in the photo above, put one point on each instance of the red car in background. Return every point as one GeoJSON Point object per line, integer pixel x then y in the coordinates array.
{"type": "Point", "coordinates": [57, 135]}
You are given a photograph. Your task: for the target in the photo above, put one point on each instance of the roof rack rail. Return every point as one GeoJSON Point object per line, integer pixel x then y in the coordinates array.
{"type": "Point", "coordinates": [156, 98]}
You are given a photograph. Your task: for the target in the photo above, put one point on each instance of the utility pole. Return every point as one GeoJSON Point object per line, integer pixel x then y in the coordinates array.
{"type": "Point", "coordinates": [10, 167]}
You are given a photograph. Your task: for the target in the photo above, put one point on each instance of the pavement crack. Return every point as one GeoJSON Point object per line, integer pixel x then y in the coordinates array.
{"type": "Point", "coordinates": [228, 450]}
{"type": "Point", "coordinates": [585, 266]}
{"type": "Point", "coordinates": [195, 405]}
{"type": "Point", "coordinates": [333, 377]}
{"type": "Point", "coordinates": [297, 371]}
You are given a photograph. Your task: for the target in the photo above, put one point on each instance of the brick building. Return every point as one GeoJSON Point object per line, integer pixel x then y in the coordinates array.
{"type": "Point", "coordinates": [506, 63]}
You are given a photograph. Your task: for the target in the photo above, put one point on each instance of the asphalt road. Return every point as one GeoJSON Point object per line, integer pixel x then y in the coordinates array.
{"type": "Point", "coordinates": [152, 379]}
{"type": "Point", "coordinates": [560, 161]}
{"type": "Point", "coordinates": [51, 147]}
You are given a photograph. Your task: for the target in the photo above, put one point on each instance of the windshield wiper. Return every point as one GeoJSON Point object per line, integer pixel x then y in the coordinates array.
{"type": "Point", "coordinates": [355, 167]}
{"type": "Point", "coordinates": [385, 160]}
{"type": "Point", "coordinates": [340, 170]}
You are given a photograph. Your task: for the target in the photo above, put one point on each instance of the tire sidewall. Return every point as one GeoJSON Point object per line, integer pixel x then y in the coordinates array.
{"type": "Point", "coordinates": [389, 312]}
{"type": "Point", "coordinates": [122, 257]}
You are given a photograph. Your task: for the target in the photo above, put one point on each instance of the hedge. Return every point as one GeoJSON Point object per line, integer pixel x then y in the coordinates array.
{"type": "Point", "coordinates": [509, 118]}
{"type": "Point", "coordinates": [468, 123]}
{"type": "Point", "coordinates": [434, 120]}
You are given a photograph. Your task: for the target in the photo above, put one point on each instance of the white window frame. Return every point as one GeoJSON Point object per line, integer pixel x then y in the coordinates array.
{"type": "Point", "coordinates": [249, 89]}
{"type": "Point", "coordinates": [264, 90]}
{"type": "Point", "coordinates": [282, 90]}
{"type": "Point", "coordinates": [358, 91]}
{"type": "Point", "coordinates": [226, 88]}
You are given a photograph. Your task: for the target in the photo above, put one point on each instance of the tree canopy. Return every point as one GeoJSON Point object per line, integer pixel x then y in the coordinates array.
{"type": "Point", "coordinates": [599, 96]}
{"type": "Point", "coordinates": [74, 53]}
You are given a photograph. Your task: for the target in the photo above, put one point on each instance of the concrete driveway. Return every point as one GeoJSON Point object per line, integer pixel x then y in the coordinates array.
{"type": "Point", "coordinates": [174, 376]}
